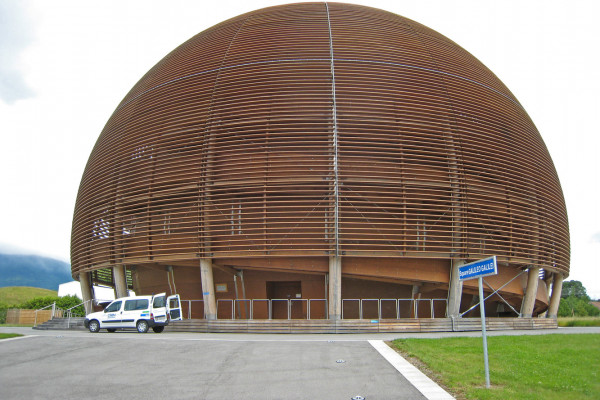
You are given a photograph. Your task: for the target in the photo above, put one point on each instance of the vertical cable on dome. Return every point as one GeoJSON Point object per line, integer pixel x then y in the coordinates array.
{"type": "Point", "coordinates": [335, 140]}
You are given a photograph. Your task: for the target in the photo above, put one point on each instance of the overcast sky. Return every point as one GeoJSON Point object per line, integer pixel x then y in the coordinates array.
{"type": "Point", "coordinates": [65, 65]}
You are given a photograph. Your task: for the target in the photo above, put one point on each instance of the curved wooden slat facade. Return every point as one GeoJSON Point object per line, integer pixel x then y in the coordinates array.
{"type": "Point", "coordinates": [316, 129]}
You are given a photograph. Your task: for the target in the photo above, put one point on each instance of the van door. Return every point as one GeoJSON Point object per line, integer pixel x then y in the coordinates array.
{"type": "Point", "coordinates": [174, 307]}
{"type": "Point", "coordinates": [159, 307]}
{"type": "Point", "coordinates": [134, 310]}
{"type": "Point", "coordinates": [111, 315]}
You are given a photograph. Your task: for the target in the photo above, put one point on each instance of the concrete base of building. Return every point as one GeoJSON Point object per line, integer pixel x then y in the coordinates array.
{"type": "Point", "coordinates": [359, 326]}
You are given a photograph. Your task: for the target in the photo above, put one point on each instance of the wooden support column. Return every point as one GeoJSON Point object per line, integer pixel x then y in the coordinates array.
{"type": "Point", "coordinates": [120, 281]}
{"type": "Point", "coordinates": [549, 278]}
{"type": "Point", "coordinates": [87, 291]}
{"type": "Point", "coordinates": [556, 292]}
{"type": "Point", "coordinates": [335, 287]}
{"type": "Point", "coordinates": [208, 288]}
{"type": "Point", "coordinates": [454, 289]}
{"type": "Point", "coordinates": [533, 278]}
{"type": "Point", "coordinates": [415, 296]}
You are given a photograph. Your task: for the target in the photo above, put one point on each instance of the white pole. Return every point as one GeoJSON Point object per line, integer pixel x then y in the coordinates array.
{"type": "Point", "coordinates": [485, 352]}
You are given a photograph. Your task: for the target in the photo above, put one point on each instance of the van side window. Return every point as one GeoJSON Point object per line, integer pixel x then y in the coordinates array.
{"type": "Point", "coordinates": [159, 302]}
{"type": "Point", "coordinates": [138, 304]}
{"type": "Point", "coordinates": [116, 306]}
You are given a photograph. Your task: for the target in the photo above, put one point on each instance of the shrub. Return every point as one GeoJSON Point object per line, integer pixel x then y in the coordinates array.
{"type": "Point", "coordinates": [3, 308]}
{"type": "Point", "coordinates": [64, 303]}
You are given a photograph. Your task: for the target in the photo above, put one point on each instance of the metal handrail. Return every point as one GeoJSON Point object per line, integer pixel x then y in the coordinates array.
{"type": "Point", "coordinates": [53, 305]}
{"type": "Point", "coordinates": [280, 300]}
{"type": "Point", "coordinates": [395, 307]}
{"type": "Point", "coordinates": [69, 311]}
{"type": "Point", "coordinates": [189, 303]}
{"type": "Point", "coordinates": [249, 313]}
{"type": "Point", "coordinates": [414, 302]}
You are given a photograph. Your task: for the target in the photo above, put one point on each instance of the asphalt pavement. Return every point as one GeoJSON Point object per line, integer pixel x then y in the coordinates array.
{"type": "Point", "coordinates": [79, 364]}
{"type": "Point", "coordinates": [63, 365]}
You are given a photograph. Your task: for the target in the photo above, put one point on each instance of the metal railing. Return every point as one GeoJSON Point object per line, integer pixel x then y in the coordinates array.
{"type": "Point", "coordinates": [248, 309]}
{"type": "Point", "coordinates": [54, 313]}
{"type": "Point", "coordinates": [285, 308]}
{"type": "Point", "coordinates": [382, 308]}
{"type": "Point", "coordinates": [189, 304]}
{"type": "Point", "coordinates": [68, 313]}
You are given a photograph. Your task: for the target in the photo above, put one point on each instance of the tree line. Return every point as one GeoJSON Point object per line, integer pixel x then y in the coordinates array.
{"type": "Point", "coordinates": [575, 302]}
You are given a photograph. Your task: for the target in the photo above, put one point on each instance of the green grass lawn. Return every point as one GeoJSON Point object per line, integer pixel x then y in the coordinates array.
{"type": "Point", "coordinates": [521, 367]}
{"type": "Point", "coordinates": [14, 295]}
{"type": "Point", "coordinates": [8, 335]}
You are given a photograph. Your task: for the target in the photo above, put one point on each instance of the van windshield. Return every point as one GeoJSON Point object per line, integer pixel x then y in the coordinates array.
{"type": "Point", "coordinates": [158, 302]}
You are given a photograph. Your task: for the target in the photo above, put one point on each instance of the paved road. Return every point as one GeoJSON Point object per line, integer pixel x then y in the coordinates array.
{"type": "Point", "coordinates": [134, 366]}
{"type": "Point", "coordinates": [78, 364]}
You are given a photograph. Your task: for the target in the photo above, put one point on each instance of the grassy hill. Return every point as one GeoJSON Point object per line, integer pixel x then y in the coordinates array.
{"type": "Point", "coordinates": [16, 295]}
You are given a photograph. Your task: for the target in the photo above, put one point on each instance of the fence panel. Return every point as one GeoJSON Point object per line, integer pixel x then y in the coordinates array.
{"type": "Point", "coordinates": [248, 309]}
{"type": "Point", "coordinates": [370, 308]}
{"type": "Point", "coordinates": [351, 309]}
{"type": "Point", "coordinates": [225, 309]}
{"type": "Point", "coordinates": [193, 309]}
{"type": "Point", "coordinates": [261, 309]}
{"type": "Point", "coordinates": [28, 317]}
{"type": "Point", "coordinates": [388, 309]}
{"type": "Point", "coordinates": [317, 309]}
{"type": "Point", "coordinates": [242, 308]}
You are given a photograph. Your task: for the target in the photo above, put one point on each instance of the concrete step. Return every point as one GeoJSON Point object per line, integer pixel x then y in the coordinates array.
{"type": "Point", "coordinates": [75, 323]}
{"type": "Point", "coordinates": [358, 326]}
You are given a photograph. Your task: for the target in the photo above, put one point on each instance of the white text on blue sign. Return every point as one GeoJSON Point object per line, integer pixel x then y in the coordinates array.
{"type": "Point", "coordinates": [478, 268]}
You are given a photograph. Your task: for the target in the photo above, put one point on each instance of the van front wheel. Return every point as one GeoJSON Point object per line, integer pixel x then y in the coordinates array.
{"type": "Point", "coordinates": [142, 326]}
{"type": "Point", "coordinates": [94, 326]}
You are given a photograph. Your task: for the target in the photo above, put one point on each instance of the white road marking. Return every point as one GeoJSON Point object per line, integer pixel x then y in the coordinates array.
{"type": "Point", "coordinates": [17, 338]}
{"type": "Point", "coordinates": [429, 388]}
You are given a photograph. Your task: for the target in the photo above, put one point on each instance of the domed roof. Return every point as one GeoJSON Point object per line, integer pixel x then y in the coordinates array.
{"type": "Point", "coordinates": [313, 129]}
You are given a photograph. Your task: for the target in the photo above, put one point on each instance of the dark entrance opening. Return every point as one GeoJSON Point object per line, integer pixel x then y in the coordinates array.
{"type": "Point", "coordinates": [283, 295]}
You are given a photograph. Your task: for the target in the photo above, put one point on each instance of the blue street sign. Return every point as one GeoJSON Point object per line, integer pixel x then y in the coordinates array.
{"type": "Point", "coordinates": [476, 269]}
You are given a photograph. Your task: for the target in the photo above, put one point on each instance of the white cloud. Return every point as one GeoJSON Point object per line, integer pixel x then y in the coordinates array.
{"type": "Point", "coordinates": [15, 37]}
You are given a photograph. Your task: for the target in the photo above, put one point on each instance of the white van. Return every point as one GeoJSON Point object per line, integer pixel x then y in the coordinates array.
{"type": "Point", "coordinates": [139, 312]}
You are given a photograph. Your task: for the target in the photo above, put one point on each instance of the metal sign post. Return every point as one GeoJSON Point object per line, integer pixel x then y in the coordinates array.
{"type": "Point", "coordinates": [479, 269]}
{"type": "Point", "coordinates": [483, 334]}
